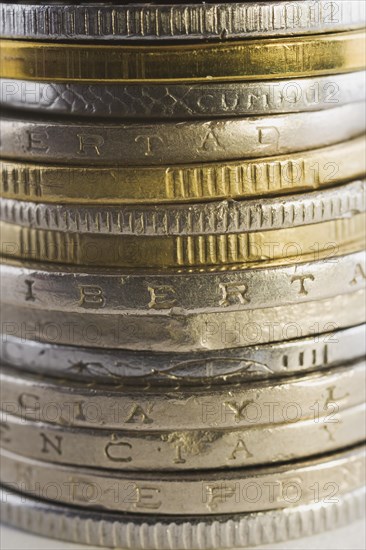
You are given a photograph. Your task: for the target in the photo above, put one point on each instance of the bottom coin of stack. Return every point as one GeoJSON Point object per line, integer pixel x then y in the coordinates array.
{"type": "Point", "coordinates": [229, 460]}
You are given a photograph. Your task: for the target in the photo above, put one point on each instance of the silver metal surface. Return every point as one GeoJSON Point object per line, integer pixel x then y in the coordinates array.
{"type": "Point", "coordinates": [64, 289]}
{"type": "Point", "coordinates": [191, 219]}
{"type": "Point", "coordinates": [184, 101]}
{"type": "Point", "coordinates": [138, 532]}
{"type": "Point", "coordinates": [195, 493]}
{"type": "Point", "coordinates": [98, 143]}
{"type": "Point", "coordinates": [123, 367]}
{"type": "Point", "coordinates": [184, 331]}
{"type": "Point", "coordinates": [142, 409]}
{"type": "Point", "coordinates": [209, 449]}
{"type": "Point", "coordinates": [178, 21]}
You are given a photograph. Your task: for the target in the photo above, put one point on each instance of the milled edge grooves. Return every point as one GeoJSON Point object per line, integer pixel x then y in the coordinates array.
{"type": "Point", "coordinates": [177, 21]}
{"type": "Point", "coordinates": [113, 530]}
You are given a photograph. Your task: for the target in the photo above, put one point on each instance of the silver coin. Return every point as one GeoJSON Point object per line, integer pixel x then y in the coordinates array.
{"type": "Point", "coordinates": [140, 409]}
{"type": "Point", "coordinates": [71, 142]}
{"type": "Point", "coordinates": [121, 367]}
{"type": "Point", "coordinates": [191, 219]}
{"type": "Point", "coordinates": [65, 289]}
{"type": "Point", "coordinates": [121, 450]}
{"type": "Point", "coordinates": [193, 493]}
{"type": "Point", "coordinates": [182, 331]}
{"type": "Point", "coordinates": [184, 101]}
{"type": "Point", "coordinates": [177, 21]}
{"type": "Point", "coordinates": [144, 532]}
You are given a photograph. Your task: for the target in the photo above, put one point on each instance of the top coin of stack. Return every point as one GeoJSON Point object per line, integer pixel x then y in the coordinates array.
{"type": "Point", "coordinates": [183, 243]}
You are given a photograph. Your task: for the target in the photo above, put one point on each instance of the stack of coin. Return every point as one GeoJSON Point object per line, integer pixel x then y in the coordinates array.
{"type": "Point", "coordinates": [183, 270]}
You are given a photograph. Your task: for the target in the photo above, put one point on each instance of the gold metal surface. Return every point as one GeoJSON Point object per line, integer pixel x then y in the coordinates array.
{"type": "Point", "coordinates": [261, 59]}
{"type": "Point", "coordinates": [182, 248]}
{"type": "Point", "coordinates": [303, 243]}
{"type": "Point", "coordinates": [279, 175]}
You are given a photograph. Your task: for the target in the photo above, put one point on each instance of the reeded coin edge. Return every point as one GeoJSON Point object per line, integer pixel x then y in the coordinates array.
{"type": "Point", "coordinates": [146, 533]}
{"type": "Point", "coordinates": [178, 21]}
{"type": "Point", "coordinates": [227, 216]}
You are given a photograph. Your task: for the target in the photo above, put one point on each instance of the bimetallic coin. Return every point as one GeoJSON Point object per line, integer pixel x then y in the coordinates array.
{"type": "Point", "coordinates": [185, 332]}
{"type": "Point", "coordinates": [144, 144]}
{"type": "Point", "coordinates": [67, 289]}
{"type": "Point", "coordinates": [191, 219]}
{"type": "Point", "coordinates": [280, 175]}
{"type": "Point", "coordinates": [184, 101]}
{"type": "Point", "coordinates": [147, 369]}
{"type": "Point", "coordinates": [263, 59]}
{"type": "Point", "coordinates": [195, 493]}
{"type": "Point", "coordinates": [139, 532]}
{"type": "Point", "coordinates": [272, 402]}
{"type": "Point", "coordinates": [303, 243]}
{"type": "Point", "coordinates": [186, 449]}
{"type": "Point", "coordinates": [177, 21]}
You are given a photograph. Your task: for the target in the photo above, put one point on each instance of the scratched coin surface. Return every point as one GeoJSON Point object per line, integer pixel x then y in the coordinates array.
{"type": "Point", "coordinates": [81, 526]}
{"type": "Point", "coordinates": [262, 59]}
{"type": "Point", "coordinates": [63, 288]}
{"type": "Point", "coordinates": [278, 175]}
{"type": "Point", "coordinates": [194, 493]}
{"type": "Point", "coordinates": [183, 101]}
{"type": "Point", "coordinates": [92, 405]}
{"type": "Point", "coordinates": [185, 332]}
{"type": "Point", "coordinates": [148, 369]}
{"type": "Point", "coordinates": [182, 256]}
{"type": "Point", "coordinates": [142, 144]}
{"type": "Point", "coordinates": [206, 449]}
{"type": "Point", "coordinates": [177, 21]}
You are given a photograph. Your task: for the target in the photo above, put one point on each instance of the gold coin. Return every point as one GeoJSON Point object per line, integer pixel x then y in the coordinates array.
{"type": "Point", "coordinates": [261, 59]}
{"type": "Point", "coordinates": [302, 243]}
{"type": "Point", "coordinates": [277, 175]}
